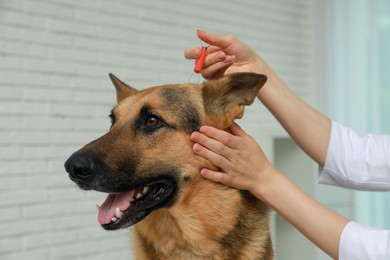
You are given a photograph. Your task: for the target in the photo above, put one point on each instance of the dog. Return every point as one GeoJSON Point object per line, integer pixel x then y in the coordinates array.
{"type": "Point", "coordinates": [146, 165]}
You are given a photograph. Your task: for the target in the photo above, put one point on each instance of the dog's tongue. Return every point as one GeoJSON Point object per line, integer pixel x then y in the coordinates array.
{"type": "Point", "coordinates": [112, 202]}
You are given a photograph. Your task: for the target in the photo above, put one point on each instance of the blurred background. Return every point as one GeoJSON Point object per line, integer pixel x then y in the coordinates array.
{"type": "Point", "coordinates": [55, 96]}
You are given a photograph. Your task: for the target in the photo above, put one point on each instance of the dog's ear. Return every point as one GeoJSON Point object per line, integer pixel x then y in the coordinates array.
{"type": "Point", "coordinates": [122, 90]}
{"type": "Point", "coordinates": [226, 97]}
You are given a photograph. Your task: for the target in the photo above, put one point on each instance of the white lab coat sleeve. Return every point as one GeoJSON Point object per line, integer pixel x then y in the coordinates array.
{"type": "Point", "coordinates": [359, 242]}
{"type": "Point", "coordinates": [360, 162]}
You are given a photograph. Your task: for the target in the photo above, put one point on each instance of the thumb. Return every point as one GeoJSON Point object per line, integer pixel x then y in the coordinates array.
{"type": "Point", "coordinates": [237, 130]}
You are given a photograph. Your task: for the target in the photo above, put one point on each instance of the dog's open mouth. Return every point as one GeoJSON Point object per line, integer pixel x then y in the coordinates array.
{"type": "Point", "coordinates": [121, 210]}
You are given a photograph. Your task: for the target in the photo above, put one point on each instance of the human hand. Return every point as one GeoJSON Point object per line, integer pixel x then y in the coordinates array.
{"type": "Point", "coordinates": [226, 54]}
{"type": "Point", "coordinates": [242, 163]}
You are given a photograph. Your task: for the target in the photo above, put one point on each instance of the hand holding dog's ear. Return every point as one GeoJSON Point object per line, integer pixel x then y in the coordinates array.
{"type": "Point", "coordinates": [226, 55]}
{"type": "Point", "coordinates": [242, 163]}
{"type": "Point", "coordinates": [224, 99]}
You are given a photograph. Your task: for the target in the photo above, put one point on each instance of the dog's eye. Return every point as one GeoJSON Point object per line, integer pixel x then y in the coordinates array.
{"type": "Point", "coordinates": [153, 121]}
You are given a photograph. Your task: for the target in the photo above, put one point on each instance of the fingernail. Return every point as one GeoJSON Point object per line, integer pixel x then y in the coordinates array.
{"type": "Point", "coordinates": [203, 172]}
{"type": "Point", "coordinates": [196, 53]}
{"type": "Point", "coordinates": [221, 55]}
{"type": "Point", "coordinates": [203, 130]}
{"type": "Point", "coordinates": [229, 58]}
{"type": "Point", "coordinates": [194, 136]}
{"type": "Point", "coordinates": [196, 147]}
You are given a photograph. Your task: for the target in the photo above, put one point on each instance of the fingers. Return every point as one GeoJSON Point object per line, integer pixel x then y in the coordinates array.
{"type": "Point", "coordinates": [237, 130]}
{"type": "Point", "coordinates": [192, 53]}
{"type": "Point", "coordinates": [218, 56]}
{"type": "Point", "coordinates": [212, 49]}
{"type": "Point", "coordinates": [215, 158]}
{"type": "Point", "coordinates": [209, 147]}
{"type": "Point", "coordinates": [217, 61]}
{"type": "Point", "coordinates": [214, 176]}
{"type": "Point", "coordinates": [216, 64]}
{"type": "Point", "coordinates": [220, 136]}
{"type": "Point", "coordinates": [222, 41]}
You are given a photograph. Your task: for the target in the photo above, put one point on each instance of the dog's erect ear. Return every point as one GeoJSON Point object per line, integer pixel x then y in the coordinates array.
{"type": "Point", "coordinates": [226, 97]}
{"type": "Point", "coordinates": [122, 90]}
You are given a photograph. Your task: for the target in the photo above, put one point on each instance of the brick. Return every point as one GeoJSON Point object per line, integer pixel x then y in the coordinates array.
{"type": "Point", "coordinates": [116, 8]}
{"type": "Point", "coordinates": [20, 227]}
{"type": "Point", "coordinates": [10, 152]}
{"type": "Point", "coordinates": [82, 15]}
{"type": "Point", "coordinates": [47, 94]}
{"type": "Point", "coordinates": [70, 137]}
{"type": "Point", "coordinates": [23, 49]}
{"type": "Point", "coordinates": [9, 245]}
{"type": "Point", "coordinates": [73, 27]}
{"type": "Point", "coordinates": [8, 32]}
{"type": "Point", "coordinates": [22, 108]}
{"type": "Point", "coordinates": [76, 110]}
{"type": "Point", "coordinates": [79, 83]}
{"type": "Point", "coordinates": [73, 55]}
{"type": "Point", "coordinates": [49, 9]}
{"type": "Point", "coordinates": [95, 232]}
{"type": "Point", "coordinates": [29, 254]}
{"type": "Point", "coordinates": [39, 65]}
{"type": "Point", "coordinates": [10, 93]}
{"type": "Point", "coordinates": [92, 43]}
{"type": "Point", "coordinates": [21, 19]}
{"type": "Point", "coordinates": [8, 122]}
{"type": "Point", "coordinates": [72, 220]}
{"type": "Point", "coordinates": [10, 214]}
{"type": "Point", "coordinates": [11, 5]}
{"type": "Point", "coordinates": [75, 204]}
{"type": "Point", "coordinates": [90, 4]}
{"type": "Point", "coordinates": [14, 167]}
{"type": "Point", "coordinates": [98, 97]}
{"type": "Point", "coordinates": [12, 183]}
{"type": "Point", "coordinates": [10, 62]}
{"type": "Point", "coordinates": [70, 192]}
{"type": "Point", "coordinates": [34, 123]}
{"type": "Point", "coordinates": [41, 152]}
{"type": "Point", "coordinates": [47, 38]}
{"type": "Point", "coordinates": [43, 240]}
{"type": "Point", "coordinates": [119, 254]}
{"type": "Point", "coordinates": [97, 126]}
{"type": "Point", "coordinates": [44, 181]}
{"type": "Point", "coordinates": [70, 251]}
{"type": "Point", "coordinates": [24, 78]}
{"type": "Point", "coordinates": [13, 197]}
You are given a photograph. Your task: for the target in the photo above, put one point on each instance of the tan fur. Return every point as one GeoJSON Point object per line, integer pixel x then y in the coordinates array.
{"type": "Point", "coordinates": [206, 220]}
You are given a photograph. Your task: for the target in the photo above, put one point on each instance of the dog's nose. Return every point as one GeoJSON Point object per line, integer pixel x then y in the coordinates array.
{"type": "Point", "coordinates": [80, 168]}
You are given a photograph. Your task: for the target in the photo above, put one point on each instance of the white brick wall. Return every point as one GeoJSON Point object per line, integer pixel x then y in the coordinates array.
{"type": "Point", "coordinates": [55, 96]}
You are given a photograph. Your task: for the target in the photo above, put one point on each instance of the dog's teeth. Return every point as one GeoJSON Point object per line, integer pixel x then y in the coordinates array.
{"type": "Point", "coordinates": [114, 219]}
{"type": "Point", "coordinates": [139, 195]}
{"type": "Point", "coordinates": [97, 207]}
{"type": "Point", "coordinates": [118, 213]}
{"type": "Point", "coordinates": [146, 188]}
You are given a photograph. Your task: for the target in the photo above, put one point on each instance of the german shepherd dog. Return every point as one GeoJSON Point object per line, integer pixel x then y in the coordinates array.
{"type": "Point", "coordinates": [146, 165]}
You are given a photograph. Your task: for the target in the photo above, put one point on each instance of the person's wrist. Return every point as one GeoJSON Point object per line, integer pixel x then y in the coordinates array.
{"type": "Point", "coordinates": [262, 184]}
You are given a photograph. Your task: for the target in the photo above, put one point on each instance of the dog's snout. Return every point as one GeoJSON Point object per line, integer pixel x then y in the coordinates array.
{"type": "Point", "coordinates": [80, 168]}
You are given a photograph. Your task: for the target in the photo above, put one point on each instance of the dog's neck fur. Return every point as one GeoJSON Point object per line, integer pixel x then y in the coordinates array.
{"type": "Point", "coordinates": [192, 231]}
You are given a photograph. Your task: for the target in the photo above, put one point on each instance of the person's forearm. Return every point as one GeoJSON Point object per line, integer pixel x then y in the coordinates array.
{"type": "Point", "coordinates": [309, 128]}
{"type": "Point", "coordinates": [320, 225]}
